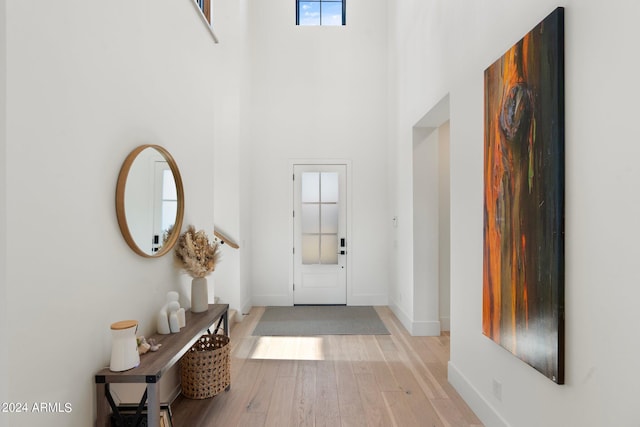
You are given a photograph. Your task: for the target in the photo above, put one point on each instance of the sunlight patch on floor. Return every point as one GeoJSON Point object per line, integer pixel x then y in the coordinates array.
{"type": "Point", "coordinates": [288, 348]}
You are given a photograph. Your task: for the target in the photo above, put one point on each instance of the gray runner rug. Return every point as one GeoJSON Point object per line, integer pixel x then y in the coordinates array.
{"type": "Point", "coordinates": [320, 320]}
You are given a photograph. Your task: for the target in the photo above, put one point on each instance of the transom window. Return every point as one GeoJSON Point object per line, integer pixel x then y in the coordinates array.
{"type": "Point", "coordinates": [320, 12]}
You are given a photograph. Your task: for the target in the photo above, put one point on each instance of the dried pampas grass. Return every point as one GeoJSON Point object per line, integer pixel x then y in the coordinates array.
{"type": "Point", "coordinates": [194, 254]}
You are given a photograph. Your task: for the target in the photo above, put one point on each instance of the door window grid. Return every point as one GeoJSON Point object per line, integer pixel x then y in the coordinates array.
{"type": "Point", "coordinates": [319, 218]}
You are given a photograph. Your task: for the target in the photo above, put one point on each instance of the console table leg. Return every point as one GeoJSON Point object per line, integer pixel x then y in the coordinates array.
{"type": "Point", "coordinates": [225, 318]}
{"type": "Point", "coordinates": [153, 404]}
{"type": "Point", "coordinates": [102, 406]}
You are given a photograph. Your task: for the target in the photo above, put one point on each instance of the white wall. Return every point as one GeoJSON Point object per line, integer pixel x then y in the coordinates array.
{"type": "Point", "coordinates": [229, 19]}
{"type": "Point", "coordinates": [86, 83]}
{"type": "Point", "coordinates": [419, 296]}
{"type": "Point", "coordinates": [443, 47]}
{"type": "Point", "coordinates": [444, 231]}
{"type": "Point", "coordinates": [426, 319]}
{"type": "Point", "coordinates": [416, 93]}
{"type": "Point", "coordinates": [4, 324]}
{"type": "Point", "coordinates": [318, 93]}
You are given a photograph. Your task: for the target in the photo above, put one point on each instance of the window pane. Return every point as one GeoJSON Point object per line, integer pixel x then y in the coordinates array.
{"type": "Point", "coordinates": [329, 249]}
{"type": "Point", "coordinates": [310, 249]}
{"type": "Point", "coordinates": [329, 219]}
{"type": "Point", "coordinates": [332, 13]}
{"type": "Point", "coordinates": [310, 187]}
{"type": "Point", "coordinates": [310, 218]}
{"type": "Point", "coordinates": [329, 187]}
{"type": "Point", "coordinates": [309, 13]}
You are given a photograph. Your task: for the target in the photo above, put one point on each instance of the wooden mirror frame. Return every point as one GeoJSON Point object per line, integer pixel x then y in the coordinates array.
{"type": "Point", "coordinates": [120, 208]}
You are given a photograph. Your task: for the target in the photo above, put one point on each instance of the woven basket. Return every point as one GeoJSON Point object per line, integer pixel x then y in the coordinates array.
{"type": "Point", "coordinates": [205, 368]}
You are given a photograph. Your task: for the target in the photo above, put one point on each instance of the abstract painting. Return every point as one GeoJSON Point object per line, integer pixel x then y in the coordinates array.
{"type": "Point", "coordinates": [523, 253]}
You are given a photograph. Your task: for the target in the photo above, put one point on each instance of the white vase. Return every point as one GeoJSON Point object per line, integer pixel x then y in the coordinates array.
{"type": "Point", "coordinates": [124, 347]}
{"type": "Point", "coordinates": [199, 295]}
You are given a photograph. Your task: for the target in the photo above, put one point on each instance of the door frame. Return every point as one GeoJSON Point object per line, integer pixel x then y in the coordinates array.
{"type": "Point", "coordinates": [347, 164]}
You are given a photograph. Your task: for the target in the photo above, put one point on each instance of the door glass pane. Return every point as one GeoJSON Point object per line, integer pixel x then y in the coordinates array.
{"type": "Point", "coordinates": [329, 249]}
{"type": "Point", "coordinates": [310, 249]}
{"type": "Point", "coordinates": [329, 187]}
{"type": "Point", "coordinates": [329, 219]}
{"type": "Point", "coordinates": [310, 187]}
{"type": "Point", "coordinates": [311, 218]}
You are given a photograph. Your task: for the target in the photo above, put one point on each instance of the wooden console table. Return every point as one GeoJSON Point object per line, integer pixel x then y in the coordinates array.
{"type": "Point", "coordinates": [154, 364]}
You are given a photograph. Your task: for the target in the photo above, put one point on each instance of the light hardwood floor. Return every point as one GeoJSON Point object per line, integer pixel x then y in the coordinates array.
{"type": "Point", "coordinates": [338, 380]}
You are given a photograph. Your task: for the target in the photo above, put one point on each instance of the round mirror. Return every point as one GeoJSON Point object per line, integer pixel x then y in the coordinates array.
{"type": "Point", "coordinates": [150, 201]}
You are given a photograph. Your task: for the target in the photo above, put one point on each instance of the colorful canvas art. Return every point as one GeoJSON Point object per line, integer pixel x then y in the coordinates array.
{"type": "Point", "coordinates": [523, 277]}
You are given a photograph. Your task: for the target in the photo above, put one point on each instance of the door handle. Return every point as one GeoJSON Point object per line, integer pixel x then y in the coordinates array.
{"type": "Point", "coordinates": [342, 252]}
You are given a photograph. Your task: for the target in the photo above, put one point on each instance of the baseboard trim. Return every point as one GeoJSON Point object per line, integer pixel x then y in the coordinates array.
{"type": "Point", "coordinates": [401, 315]}
{"type": "Point", "coordinates": [425, 328]}
{"type": "Point", "coordinates": [445, 323]}
{"type": "Point", "coordinates": [480, 406]}
{"type": "Point", "coordinates": [417, 328]}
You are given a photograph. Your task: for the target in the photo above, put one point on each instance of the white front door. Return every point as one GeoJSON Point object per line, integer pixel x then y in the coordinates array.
{"type": "Point", "coordinates": [319, 229]}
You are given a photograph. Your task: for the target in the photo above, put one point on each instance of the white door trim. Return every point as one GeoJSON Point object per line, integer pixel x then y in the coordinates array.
{"type": "Point", "coordinates": [350, 246]}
